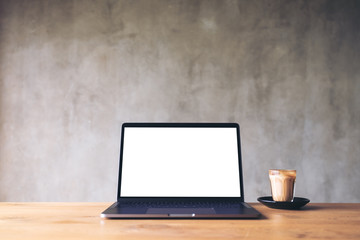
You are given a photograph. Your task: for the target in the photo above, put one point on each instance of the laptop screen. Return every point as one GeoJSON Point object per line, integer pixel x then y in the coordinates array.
{"type": "Point", "coordinates": [180, 162]}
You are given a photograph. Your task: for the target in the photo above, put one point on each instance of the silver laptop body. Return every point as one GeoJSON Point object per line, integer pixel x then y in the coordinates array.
{"type": "Point", "coordinates": [180, 170]}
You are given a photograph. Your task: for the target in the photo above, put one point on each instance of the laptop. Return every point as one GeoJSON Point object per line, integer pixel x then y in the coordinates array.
{"type": "Point", "coordinates": [180, 170]}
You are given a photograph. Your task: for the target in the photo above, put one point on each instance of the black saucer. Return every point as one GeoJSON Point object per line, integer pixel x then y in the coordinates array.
{"type": "Point", "coordinates": [297, 203]}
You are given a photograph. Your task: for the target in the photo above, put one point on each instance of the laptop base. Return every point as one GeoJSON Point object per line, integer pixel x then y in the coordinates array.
{"type": "Point", "coordinates": [115, 211]}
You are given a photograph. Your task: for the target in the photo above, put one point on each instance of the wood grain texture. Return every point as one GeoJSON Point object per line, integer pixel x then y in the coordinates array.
{"type": "Point", "coordinates": [82, 221]}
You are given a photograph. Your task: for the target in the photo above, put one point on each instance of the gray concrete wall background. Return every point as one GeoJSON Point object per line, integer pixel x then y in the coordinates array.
{"type": "Point", "coordinates": [72, 71]}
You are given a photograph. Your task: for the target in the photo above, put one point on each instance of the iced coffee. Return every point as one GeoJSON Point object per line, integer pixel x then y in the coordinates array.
{"type": "Point", "coordinates": [282, 184]}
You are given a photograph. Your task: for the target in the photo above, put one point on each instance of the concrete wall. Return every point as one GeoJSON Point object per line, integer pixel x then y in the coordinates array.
{"type": "Point", "coordinates": [72, 71]}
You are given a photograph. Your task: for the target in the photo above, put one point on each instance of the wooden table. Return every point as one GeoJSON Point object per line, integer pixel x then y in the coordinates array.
{"type": "Point", "coordinates": [81, 221]}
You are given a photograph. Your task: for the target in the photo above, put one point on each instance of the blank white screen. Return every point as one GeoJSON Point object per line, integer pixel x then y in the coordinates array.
{"type": "Point", "coordinates": [180, 162]}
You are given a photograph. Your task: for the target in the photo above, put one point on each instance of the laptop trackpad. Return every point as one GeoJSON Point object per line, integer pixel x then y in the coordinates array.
{"type": "Point", "coordinates": [190, 211]}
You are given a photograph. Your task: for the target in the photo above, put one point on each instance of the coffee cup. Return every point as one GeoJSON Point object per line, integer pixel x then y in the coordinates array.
{"type": "Point", "coordinates": [282, 183]}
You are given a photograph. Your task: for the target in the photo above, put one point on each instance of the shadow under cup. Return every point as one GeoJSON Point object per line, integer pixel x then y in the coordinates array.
{"type": "Point", "coordinates": [282, 184]}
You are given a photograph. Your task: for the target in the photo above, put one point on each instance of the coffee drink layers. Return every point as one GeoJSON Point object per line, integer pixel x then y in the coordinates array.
{"type": "Point", "coordinates": [282, 184]}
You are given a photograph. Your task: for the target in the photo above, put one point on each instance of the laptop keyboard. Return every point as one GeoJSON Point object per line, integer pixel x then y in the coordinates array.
{"type": "Point", "coordinates": [181, 204]}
